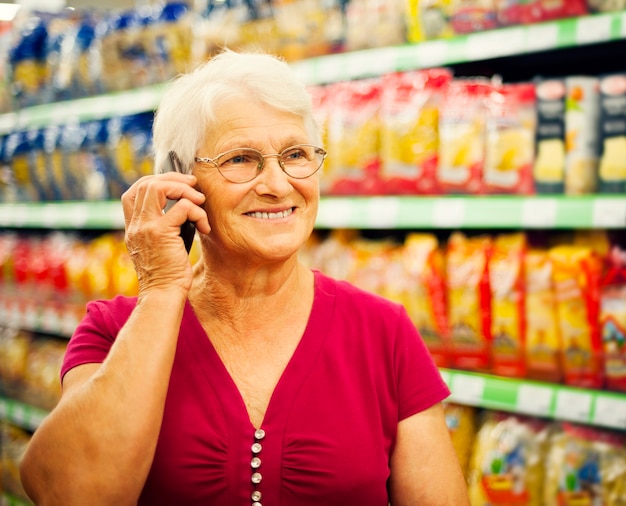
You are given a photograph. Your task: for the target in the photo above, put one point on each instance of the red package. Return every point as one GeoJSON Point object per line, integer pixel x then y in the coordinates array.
{"type": "Point", "coordinates": [409, 122]}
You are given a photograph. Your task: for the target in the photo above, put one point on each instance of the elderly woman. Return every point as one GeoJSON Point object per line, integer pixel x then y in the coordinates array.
{"type": "Point", "coordinates": [247, 379]}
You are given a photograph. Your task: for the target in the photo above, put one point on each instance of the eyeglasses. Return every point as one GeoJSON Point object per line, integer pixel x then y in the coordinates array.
{"type": "Point", "coordinates": [242, 165]}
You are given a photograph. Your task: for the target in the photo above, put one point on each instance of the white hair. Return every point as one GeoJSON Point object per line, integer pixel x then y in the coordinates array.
{"type": "Point", "coordinates": [186, 114]}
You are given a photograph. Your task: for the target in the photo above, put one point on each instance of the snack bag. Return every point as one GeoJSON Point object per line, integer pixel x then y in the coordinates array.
{"type": "Point", "coordinates": [585, 466]}
{"type": "Point", "coordinates": [470, 16]}
{"type": "Point", "coordinates": [371, 23]}
{"type": "Point", "coordinates": [409, 123]}
{"type": "Point", "coordinates": [576, 276]}
{"type": "Point", "coordinates": [354, 137]}
{"type": "Point", "coordinates": [612, 320]}
{"type": "Point", "coordinates": [543, 338]}
{"type": "Point", "coordinates": [425, 296]}
{"type": "Point", "coordinates": [462, 134]}
{"type": "Point", "coordinates": [469, 304]}
{"type": "Point", "coordinates": [462, 423]}
{"type": "Point", "coordinates": [508, 322]}
{"type": "Point", "coordinates": [511, 128]}
{"type": "Point", "coordinates": [582, 112]}
{"type": "Point", "coordinates": [507, 463]}
{"type": "Point", "coordinates": [429, 19]}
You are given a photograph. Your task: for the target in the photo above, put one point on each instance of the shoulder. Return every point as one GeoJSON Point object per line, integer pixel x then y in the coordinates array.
{"type": "Point", "coordinates": [112, 312]}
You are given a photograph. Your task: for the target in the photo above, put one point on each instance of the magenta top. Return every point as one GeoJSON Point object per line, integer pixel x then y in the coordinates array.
{"type": "Point", "coordinates": [331, 423]}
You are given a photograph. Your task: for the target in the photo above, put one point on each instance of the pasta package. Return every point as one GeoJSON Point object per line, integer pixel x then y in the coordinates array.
{"type": "Point", "coordinates": [409, 120]}
{"type": "Point", "coordinates": [469, 305]}
{"type": "Point", "coordinates": [507, 464]}
{"type": "Point", "coordinates": [462, 423]}
{"type": "Point", "coordinates": [585, 467]}
{"type": "Point", "coordinates": [612, 320]}
{"type": "Point", "coordinates": [508, 322]}
{"type": "Point", "coordinates": [543, 338]}
{"type": "Point", "coordinates": [425, 301]}
{"type": "Point", "coordinates": [576, 277]}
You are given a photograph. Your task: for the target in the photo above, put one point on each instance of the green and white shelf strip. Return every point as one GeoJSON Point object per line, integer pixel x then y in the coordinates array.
{"type": "Point", "coordinates": [386, 212]}
{"type": "Point", "coordinates": [7, 499]}
{"type": "Point", "coordinates": [511, 41]}
{"type": "Point", "coordinates": [547, 400]}
{"type": "Point", "coordinates": [21, 414]}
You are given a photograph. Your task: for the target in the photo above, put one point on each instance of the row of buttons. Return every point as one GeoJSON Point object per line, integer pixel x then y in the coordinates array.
{"type": "Point", "coordinates": [255, 464]}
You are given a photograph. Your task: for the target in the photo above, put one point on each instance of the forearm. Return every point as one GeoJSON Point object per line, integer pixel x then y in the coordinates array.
{"type": "Point", "coordinates": [97, 445]}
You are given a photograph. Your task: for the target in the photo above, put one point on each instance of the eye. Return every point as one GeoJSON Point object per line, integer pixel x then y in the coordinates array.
{"type": "Point", "coordinates": [240, 157]}
{"type": "Point", "coordinates": [295, 155]}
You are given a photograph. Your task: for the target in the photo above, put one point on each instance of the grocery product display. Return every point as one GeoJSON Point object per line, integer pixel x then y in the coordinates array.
{"type": "Point", "coordinates": [491, 206]}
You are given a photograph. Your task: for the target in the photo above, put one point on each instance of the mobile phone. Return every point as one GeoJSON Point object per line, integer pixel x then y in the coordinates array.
{"type": "Point", "coordinates": [187, 229]}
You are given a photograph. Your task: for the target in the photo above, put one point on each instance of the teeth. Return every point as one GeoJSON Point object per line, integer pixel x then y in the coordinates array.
{"type": "Point", "coordinates": [271, 216]}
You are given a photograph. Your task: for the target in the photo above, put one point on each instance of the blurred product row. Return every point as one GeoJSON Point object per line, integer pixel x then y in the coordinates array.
{"type": "Point", "coordinates": [414, 132]}
{"type": "Point", "coordinates": [508, 460]}
{"type": "Point", "coordinates": [513, 304]}
{"type": "Point", "coordinates": [51, 57]}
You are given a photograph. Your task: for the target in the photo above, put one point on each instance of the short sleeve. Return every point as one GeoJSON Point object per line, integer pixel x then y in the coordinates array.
{"type": "Point", "coordinates": [419, 381]}
{"type": "Point", "coordinates": [96, 333]}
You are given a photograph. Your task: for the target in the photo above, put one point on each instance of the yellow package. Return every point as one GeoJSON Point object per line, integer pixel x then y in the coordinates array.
{"type": "Point", "coordinates": [576, 277]}
{"type": "Point", "coordinates": [507, 464]}
{"type": "Point", "coordinates": [585, 467]}
{"type": "Point", "coordinates": [429, 19]}
{"type": "Point", "coordinates": [425, 297]}
{"type": "Point", "coordinates": [462, 425]}
{"type": "Point", "coordinates": [543, 340]}
{"type": "Point", "coordinates": [506, 280]}
{"type": "Point", "coordinates": [469, 306]}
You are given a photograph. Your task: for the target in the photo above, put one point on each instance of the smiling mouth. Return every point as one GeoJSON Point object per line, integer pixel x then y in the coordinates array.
{"type": "Point", "coordinates": [271, 216]}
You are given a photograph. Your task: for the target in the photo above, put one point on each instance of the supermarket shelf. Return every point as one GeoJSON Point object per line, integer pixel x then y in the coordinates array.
{"type": "Point", "coordinates": [23, 313]}
{"type": "Point", "coordinates": [510, 41]}
{"type": "Point", "coordinates": [595, 407]}
{"type": "Point", "coordinates": [21, 414]}
{"type": "Point", "coordinates": [385, 212]}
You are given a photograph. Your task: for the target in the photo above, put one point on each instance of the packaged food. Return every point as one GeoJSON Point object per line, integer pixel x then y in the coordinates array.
{"type": "Point", "coordinates": [470, 16]}
{"type": "Point", "coordinates": [462, 423]}
{"type": "Point", "coordinates": [511, 130]}
{"type": "Point", "coordinates": [507, 463]}
{"type": "Point", "coordinates": [508, 318]}
{"type": "Point", "coordinates": [424, 276]}
{"type": "Point", "coordinates": [549, 166]}
{"type": "Point", "coordinates": [576, 276]}
{"type": "Point", "coordinates": [14, 442]}
{"type": "Point", "coordinates": [409, 123]}
{"type": "Point", "coordinates": [429, 19]}
{"type": "Point", "coordinates": [582, 111]}
{"type": "Point", "coordinates": [462, 134]}
{"type": "Point", "coordinates": [354, 138]}
{"type": "Point", "coordinates": [612, 131]}
{"type": "Point", "coordinates": [543, 338]}
{"type": "Point", "coordinates": [469, 301]}
{"type": "Point", "coordinates": [612, 320]}
{"type": "Point", "coordinates": [371, 23]}
{"type": "Point", "coordinates": [585, 465]}
{"type": "Point", "coordinates": [515, 12]}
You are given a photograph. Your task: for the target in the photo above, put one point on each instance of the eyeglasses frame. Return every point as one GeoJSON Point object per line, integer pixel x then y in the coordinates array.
{"type": "Point", "coordinates": [260, 167]}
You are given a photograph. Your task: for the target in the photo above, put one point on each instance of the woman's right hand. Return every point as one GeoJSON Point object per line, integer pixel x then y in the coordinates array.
{"type": "Point", "coordinates": [153, 237]}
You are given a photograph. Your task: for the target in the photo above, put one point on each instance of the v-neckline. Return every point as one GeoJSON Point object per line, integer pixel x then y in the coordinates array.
{"type": "Point", "coordinates": [297, 369]}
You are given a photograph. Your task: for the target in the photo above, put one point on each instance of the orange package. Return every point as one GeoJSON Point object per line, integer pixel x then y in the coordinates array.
{"type": "Point", "coordinates": [506, 281]}
{"type": "Point", "coordinates": [543, 338]}
{"type": "Point", "coordinates": [425, 300]}
{"type": "Point", "coordinates": [576, 276]}
{"type": "Point", "coordinates": [469, 305]}
{"type": "Point", "coordinates": [612, 320]}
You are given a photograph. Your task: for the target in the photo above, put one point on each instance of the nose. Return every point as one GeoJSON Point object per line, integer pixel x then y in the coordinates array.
{"type": "Point", "coordinates": [272, 179]}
